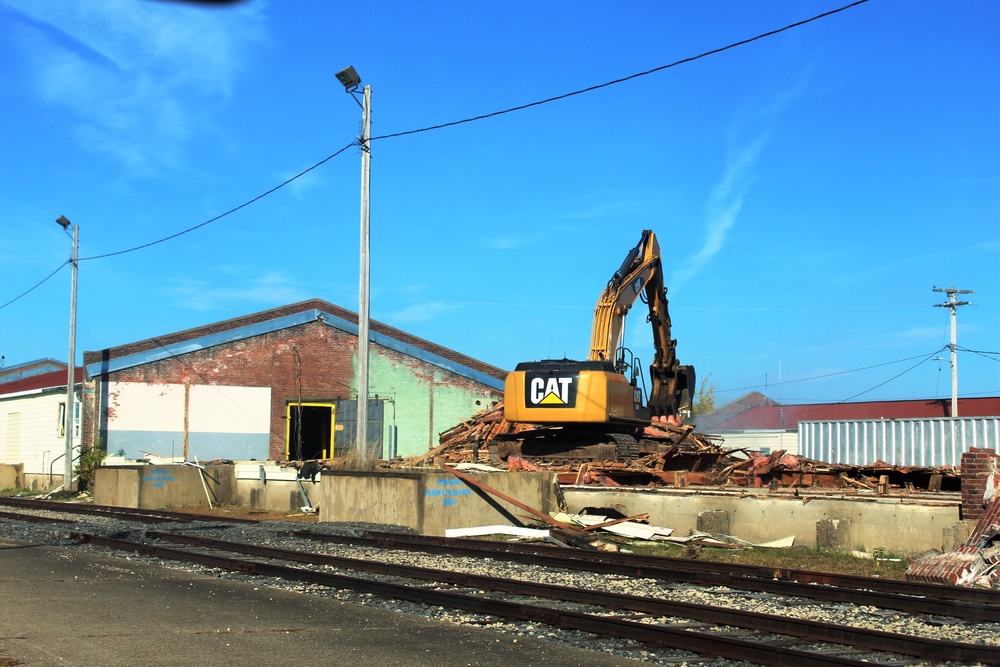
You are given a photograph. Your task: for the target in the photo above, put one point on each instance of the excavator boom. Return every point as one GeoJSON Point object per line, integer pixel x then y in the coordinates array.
{"type": "Point", "coordinates": [597, 391]}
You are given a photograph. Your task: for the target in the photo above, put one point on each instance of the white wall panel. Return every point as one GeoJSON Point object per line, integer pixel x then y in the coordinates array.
{"type": "Point", "coordinates": [140, 406]}
{"type": "Point", "coordinates": [225, 409]}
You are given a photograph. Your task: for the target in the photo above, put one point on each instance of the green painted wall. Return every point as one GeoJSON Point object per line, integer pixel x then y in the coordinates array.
{"type": "Point", "coordinates": [422, 400]}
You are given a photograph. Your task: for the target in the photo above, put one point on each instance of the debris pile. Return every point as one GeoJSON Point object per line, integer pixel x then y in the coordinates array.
{"type": "Point", "coordinates": [976, 563]}
{"type": "Point", "coordinates": [669, 454]}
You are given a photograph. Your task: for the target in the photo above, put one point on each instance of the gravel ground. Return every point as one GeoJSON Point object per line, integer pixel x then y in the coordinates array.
{"type": "Point", "coordinates": [268, 534]}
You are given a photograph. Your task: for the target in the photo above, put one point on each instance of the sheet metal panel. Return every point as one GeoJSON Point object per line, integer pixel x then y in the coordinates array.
{"type": "Point", "coordinates": [903, 442]}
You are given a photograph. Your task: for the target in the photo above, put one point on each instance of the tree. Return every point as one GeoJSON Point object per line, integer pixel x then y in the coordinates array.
{"type": "Point", "coordinates": [704, 400]}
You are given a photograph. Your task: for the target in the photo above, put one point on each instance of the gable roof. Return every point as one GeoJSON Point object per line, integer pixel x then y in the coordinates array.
{"type": "Point", "coordinates": [38, 383]}
{"type": "Point", "coordinates": [787, 417]}
{"type": "Point", "coordinates": [29, 369]}
{"type": "Point", "coordinates": [729, 410]}
{"type": "Point", "coordinates": [239, 328]}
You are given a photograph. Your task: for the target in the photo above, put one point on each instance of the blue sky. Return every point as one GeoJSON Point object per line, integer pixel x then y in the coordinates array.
{"type": "Point", "coordinates": [808, 190]}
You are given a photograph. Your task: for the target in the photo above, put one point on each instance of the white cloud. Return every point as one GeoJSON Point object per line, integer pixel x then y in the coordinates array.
{"type": "Point", "coordinates": [136, 76]}
{"type": "Point", "coordinates": [506, 242]}
{"type": "Point", "coordinates": [723, 206]}
{"type": "Point", "coordinates": [420, 312]}
{"type": "Point", "coordinates": [725, 201]}
{"type": "Point", "coordinates": [272, 289]}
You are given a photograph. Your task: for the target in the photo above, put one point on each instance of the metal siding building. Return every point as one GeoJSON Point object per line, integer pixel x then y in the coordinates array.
{"type": "Point", "coordinates": [902, 442]}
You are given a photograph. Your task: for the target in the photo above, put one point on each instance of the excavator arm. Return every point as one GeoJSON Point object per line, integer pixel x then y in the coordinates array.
{"type": "Point", "coordinates": [642, 272]}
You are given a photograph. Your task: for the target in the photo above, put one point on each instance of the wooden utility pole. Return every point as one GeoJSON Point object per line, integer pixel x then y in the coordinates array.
{"type": "Point", "coordinates": [952, 303]}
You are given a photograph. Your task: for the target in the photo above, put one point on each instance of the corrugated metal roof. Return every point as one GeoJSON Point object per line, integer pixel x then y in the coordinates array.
{"type": "Point", "coordinates": [788, 416]}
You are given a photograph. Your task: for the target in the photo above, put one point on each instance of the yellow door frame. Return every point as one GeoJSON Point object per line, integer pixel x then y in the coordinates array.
{"type": "Point", "coordinates": [328, 452]}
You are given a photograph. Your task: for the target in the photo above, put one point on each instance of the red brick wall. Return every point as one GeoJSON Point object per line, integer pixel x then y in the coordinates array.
{"type": "Point", "coordinates": [314, 359]}
{"type": "Point", "coordinates": [977, 464]}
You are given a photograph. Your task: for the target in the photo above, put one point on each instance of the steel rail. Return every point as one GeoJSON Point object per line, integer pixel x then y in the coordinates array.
{"type": "Point", "coordinates": [560, 558]}
{"type": "Point", "coordinates": [126, 513]}
{"type": "Point", "coordinates": [32, 518]}
{"type": "Point", "coordinates": [656, 635]}
{"type": "Point", "coordinates": [894, 586]}
{"type": "Point", "coordinates": [876, 640]}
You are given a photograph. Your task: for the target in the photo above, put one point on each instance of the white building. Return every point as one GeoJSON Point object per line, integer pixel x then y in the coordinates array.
{"type": "Point", "coordinates": [33, 427]}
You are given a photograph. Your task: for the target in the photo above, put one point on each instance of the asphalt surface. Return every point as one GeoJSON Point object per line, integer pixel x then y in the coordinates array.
{"type": "Point", "coordinates": [71, 607]}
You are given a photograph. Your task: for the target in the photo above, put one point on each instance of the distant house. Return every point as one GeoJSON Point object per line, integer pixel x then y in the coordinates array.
{"type": "Point", "coordinates": [757, 422]}
{"type": "Point", "coordinates": [33, 425]}
{"type": "Point", "coordinates": [281, 385]}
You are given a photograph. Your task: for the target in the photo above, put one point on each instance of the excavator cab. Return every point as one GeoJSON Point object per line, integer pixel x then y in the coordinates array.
{"type": "Point", "coordinates": [565, 391]}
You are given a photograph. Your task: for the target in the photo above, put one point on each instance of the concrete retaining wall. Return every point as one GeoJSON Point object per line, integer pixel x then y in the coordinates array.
{"type": "Point", "coordinates": [900, 525]}
{"type": "Point", "coordinates": [430, 502]}
{"type": "Point", "coordinates": [11, 476]}
{"type": "Point", "coordinates": [268, 487]}
{"type": "Point", "coordinates": [163, 486]}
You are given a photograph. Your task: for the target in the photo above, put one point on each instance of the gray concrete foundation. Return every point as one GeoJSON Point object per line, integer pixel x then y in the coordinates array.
{"type": "Point", "coordinates": [432, 502]}
{"type": "Point", "coordinates": [163, 486]}
{"type": "Point", "coordinates": [901, 525]}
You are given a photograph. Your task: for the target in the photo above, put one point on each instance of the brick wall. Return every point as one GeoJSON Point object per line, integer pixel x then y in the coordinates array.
{"type": "Point", "coordinates": [312, 360]}
{"type": "Point", "coordinates": [977, 464]}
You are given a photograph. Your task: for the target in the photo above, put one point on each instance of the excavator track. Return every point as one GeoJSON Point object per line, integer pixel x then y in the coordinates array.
{"type": "Point", "coordinates": [569, 445]}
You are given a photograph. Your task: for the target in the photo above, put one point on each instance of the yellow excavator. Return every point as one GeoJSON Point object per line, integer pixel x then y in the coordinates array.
{"type": "Point", "coordinates": [595, 407]}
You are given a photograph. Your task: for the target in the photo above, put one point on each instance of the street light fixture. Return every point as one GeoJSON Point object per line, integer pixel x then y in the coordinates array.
{"type": "Point", "coordinates": [349, 77]}
{"type": "Point", "coordinates": [63, 222]}
{"type": "Point", "coordinates": [351, 80]}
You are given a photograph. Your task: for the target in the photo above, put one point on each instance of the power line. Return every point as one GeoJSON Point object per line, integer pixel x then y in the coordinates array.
{"type": "Point", "coordinates": [229, 212]}
{"type": "Point", "coordinates": [37, 285]}
{"type": "Point", "coordinates": [881, 384]}
{"type": "Point", "coordinates": [637, 75]}
{"type": "Point", "coordinates": [828, 375]}
{"type": "Point", "coordinates": [982, 353]}
{"type": "Point", "coordinates": [630, 77]}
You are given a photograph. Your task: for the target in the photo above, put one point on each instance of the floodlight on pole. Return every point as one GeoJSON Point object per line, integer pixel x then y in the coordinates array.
{"type": "Point", "coordinates": [350, 79]}
{"type": "Point", "coordinates": [71, 362]}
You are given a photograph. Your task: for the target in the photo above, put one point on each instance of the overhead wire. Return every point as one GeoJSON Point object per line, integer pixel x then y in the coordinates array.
{"type": "Point", "coordinates": [828, 375]}
{"type": "Point", "coordinates": [923, 359]}
{"type": "Point", "coordinates": [894, 377]}
{"type": "Point", "coordinates": [676, 63]}
{"type": "Point", "coordinates": [229, 212]}
{"type": "Point", "coordinates": [36, 286]}
{"type": "Point", "coordinates": [590, 89]}
{"type": "Point", "coordinates": [992, 356]}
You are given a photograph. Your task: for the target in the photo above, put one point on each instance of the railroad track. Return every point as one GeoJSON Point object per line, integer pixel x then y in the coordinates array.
{"type": "Point", "coordinates": [968, 604]}
{"type": "Point", "coordinates": [704, 629]}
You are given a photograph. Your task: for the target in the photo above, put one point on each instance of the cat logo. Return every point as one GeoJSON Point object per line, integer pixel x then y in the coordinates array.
{"type": "Point", "coordinates": [550, 390]}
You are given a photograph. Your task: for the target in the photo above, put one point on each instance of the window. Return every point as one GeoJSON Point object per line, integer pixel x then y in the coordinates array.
{"type": "Point", "coordinates": [61, 424]}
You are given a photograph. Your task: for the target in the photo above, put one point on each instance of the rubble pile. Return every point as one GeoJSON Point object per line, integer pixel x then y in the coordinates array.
{"type": "Point", "coordinates": [671, 455]}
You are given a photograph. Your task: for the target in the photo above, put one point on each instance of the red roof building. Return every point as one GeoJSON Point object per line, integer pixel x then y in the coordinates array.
{"type": "Point", "coordinates": [764, 414]}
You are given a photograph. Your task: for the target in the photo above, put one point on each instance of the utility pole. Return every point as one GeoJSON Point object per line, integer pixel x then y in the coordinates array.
{"type": "Point", "coordinates": [351, 80]}
{"type": "Point", "coordinates": [71, 363]}
{"type": "Point", "coordinates": [364, 292]}
{"type": "Point", "coordinates": [952, 303]}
